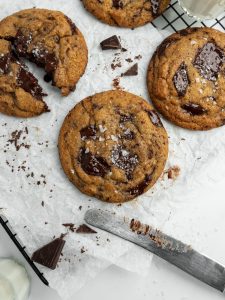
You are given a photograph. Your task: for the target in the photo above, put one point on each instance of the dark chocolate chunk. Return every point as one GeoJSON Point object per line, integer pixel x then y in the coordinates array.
{"type": "Point", "coordinates": [155, 7]}
{"type": "Point", "coordinates": [139, 189]}
{"type": "Point", "coordinates": [85, 229]}
{"type": "Point", "coordinates": [124, 160]}
{"type": "Point", "coordinates": [5, 60]}
{"type": "Point", "coordinates": [194, 109]}
{"type": "Point", "coordinates": [128, 134]}
{"type": "Point", "coordinates": [45, 59]}
{"type": "Point", "coordinates": [111, 43]}
{"type": "Point", "coordinates": [21, 42]}
{"type": "Point", "coordinates": [126, 118]}
{"type": "Point", "coordinates": [132, 71]}
{"type": "Point", "coordinates": [181, 80]}
{"type": "Point", "coordinates": [209, 61]}
{"type": "Point", "coordinates": [155, 118]}
{"type": "Point", "coordinates": [29, 83]}
{"type": "Point", "coordinates": [117, 4]}
{"type": "Point", "coordinates": [88, 132]}
{"type": "Point", "coordinates": [72, 25]}
{"type": "Point", "coordinates": [93, 165]}
{"type": "Point", "coordinates": [48, 255]}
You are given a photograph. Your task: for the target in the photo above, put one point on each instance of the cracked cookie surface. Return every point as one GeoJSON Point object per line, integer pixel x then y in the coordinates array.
{"type": "Point", "coordinates": [126, 13]}
{"type": "Point", "coordinates": [186, 78]}
{"type": "Point", "coordinates": [118, 148]}
{"type": "Point", "coordinates": [51, 41]}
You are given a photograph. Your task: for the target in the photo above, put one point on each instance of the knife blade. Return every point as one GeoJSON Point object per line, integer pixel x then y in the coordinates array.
{"type": "Point", "coordinates": [162, 245]}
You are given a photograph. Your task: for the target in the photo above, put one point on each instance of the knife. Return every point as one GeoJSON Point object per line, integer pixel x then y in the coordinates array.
{"type": "Point", "coordinates": [160, 244]}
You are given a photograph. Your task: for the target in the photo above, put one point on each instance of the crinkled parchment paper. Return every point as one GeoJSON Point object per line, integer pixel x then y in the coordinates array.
{"type": "Point", "coordinates": [36, 196]}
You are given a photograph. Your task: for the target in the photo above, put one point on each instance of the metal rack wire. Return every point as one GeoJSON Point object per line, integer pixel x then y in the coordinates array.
{"type": "Point", "coordinates": [173, 19]}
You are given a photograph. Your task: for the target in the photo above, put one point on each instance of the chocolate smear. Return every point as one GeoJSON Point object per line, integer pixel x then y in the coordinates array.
{"type": "Point", "coordinates": [85, 229]}
{"type": "Point", "coordinates": [111, 43]}
{"type": "Point", "coordinates": [132, 71]}
{"type": "Point", "coordinates": [194, 109]}
{"type": "Point", "coordinates": [155, 118]}
{"type": "Point", "coordinates": [209, 61]}
{"type": "Point", "coordinates": [93, 165]}
{"type": "Point", "coordinates": [49, 254]}
{"type": "Point", "coordinates": [181, 80]}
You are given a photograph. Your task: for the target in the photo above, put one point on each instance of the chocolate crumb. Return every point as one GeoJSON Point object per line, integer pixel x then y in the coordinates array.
{"type": "Point", "coordinates": [173, 172]}
{"type": "Point", "coordinates": [42, 203]}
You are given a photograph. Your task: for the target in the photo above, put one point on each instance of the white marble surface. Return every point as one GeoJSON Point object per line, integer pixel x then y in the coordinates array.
{"type": "Point", "coordinates": [164, 282]}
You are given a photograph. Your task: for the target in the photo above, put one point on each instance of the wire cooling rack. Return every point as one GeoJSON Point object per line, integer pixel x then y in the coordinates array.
{"type": "Point", "coordinates": [173, 19]}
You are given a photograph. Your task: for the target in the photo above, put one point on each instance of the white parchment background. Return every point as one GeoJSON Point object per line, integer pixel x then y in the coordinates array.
{"type": "Point", "coordinates": [169, 206]}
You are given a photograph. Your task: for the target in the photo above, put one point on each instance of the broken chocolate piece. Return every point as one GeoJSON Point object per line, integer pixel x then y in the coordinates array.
{"type": "Point", "coordinates": [124, 160]}
{"type": "Point", "coordinates": [117, 4]}
{"type": "Point", "coordinates": [155, 118]}
{"type": "Point", "coordinates": [111, 43]}
{"type": "Point", "coordinates": [181, 80]}
{"type": "Point", "coordinates": [88, 132]}
{"type": "Point", "coordinates": [85, 229]}
{"type": "Point", "coordinates": [48, 255]}
{"type": "Point", "coordinates": [194, 109]}
{"type": "Point", "coordinates": [29, 83]}
{"type": "Point", "coordinates": [5, 60]}
{"type": "Point", "coordinates": [209, 61]}
{"type": "Point", "coordinates": [132, 71]}
{"type": "Point", "coordinates": [93, 165]}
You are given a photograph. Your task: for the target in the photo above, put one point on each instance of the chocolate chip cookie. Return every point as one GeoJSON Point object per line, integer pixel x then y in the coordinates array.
{"type": "Point", "coordinates": [126, 13]}
{"type": "Point", "coordinates": [51, 41]}
{"type": "Point", "coordinates": [186, 78]}
{"type": "Point", "coordinates": [113, 146]}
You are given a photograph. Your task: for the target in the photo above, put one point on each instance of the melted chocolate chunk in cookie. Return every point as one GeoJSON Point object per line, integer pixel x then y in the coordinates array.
{"type": "Point", "coordinates": [181, 80]}
{"type": "Point", "coordinates": [21, 42]}
{"type": "Point", "coordinates": [126, 118]}
{"type": "Point", "coordinates": [93, 165]}
{"type": "Point", "coordinates": [5, 60]}
{"type": "Point", "coordinates": [88, 132]}
{"type": "Point", "coordinates": [139, 189]}
{"type": "Point", "coordinates": [117, 4]}
{"type": "Point", "coordinates": [209, 61]}
{"type": "Point", "coordinates": [165, 44]}
{"type": "Point", "coordinates": [155, 6]}
{"type": "Point", "coordinates": [155, 118]}
{"type": "Point", "coordinates": [124, 160]}
{"type": "Point", "coordinates": [194, 109]}
{"type": "Point", "coordinates": [29, 83]}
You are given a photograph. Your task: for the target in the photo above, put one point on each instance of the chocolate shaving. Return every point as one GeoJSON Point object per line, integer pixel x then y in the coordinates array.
{"type": "Point", "coordinates": [85, 229]}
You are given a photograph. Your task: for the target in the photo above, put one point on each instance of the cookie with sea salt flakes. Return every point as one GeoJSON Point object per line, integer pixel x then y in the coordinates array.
{"type": "Point", "coordinates": [126, 13]}
{"type": "Point", "coordinates": [113, 146]}
{"type": "Point", "coordinates": [186, 78]}
{"type": "Point", "coordinates": [50, 40]}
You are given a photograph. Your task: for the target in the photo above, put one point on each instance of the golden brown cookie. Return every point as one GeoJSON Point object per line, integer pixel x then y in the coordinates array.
{"type": "Point", "coordinates": [50, 40]}
{"type": "Point", "coordinates": [186, 78]}
{"type": "Point", "coordinates": [126, 13]}
{"type": "Point", "coordinates": [113, 146]}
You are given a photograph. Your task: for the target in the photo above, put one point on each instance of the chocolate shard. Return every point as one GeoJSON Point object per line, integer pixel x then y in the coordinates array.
{"type": "Point", "coordinates": [132, 71]}
{"type": "Point", "coordinates": [85, 229]}
{"type": "Point", "coordinates": [154, 117]}
{"type": "Point", "coordinates": [48, 255]}
{"type": "Point", "coordinates": [111, 43]}
{"type": "Point", "coordinates": [29, 83]}
{"type": "Point", "coordinates": [194, 109]}
{"type": "Point", "coordinates": [209, 61]}
{"type": "Point", "coordinates": [181, 80]}
{"type": "Point", "coordinates": [92, 164]}
{"type": "Point", "coordinates": [88, 132]}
